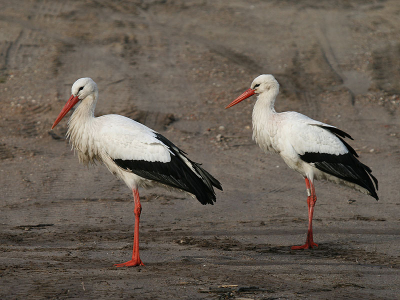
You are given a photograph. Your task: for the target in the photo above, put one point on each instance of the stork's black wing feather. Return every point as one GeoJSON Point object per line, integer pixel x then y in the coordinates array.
{"type": "Point", "coordinates": [336, 131]}
{"type": "Point", "coordinates": [176, 173]}
{"type": "Point", "coordinates": [344, 166]}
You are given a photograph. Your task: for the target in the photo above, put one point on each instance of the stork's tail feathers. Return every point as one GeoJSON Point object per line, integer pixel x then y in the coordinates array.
{"type": "Point", "coordinates": [370, 186]}
{"type": "Point", "coordinates": [196, 180]}
{"type": "Point", "coordinates": [206, 195]}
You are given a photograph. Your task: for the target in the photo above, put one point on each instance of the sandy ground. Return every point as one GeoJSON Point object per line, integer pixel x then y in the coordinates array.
{"type": "Point", "coordinates": [174, 66]}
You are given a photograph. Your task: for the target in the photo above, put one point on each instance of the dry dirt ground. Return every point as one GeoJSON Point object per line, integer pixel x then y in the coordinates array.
{"type": "Point", "coordinates": [174, 66]}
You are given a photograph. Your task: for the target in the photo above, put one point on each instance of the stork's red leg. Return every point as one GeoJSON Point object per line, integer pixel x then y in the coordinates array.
{"type": "Point", "coordinates": [135, 261]}
{"type": "Point", "coordinates": [311, 199]}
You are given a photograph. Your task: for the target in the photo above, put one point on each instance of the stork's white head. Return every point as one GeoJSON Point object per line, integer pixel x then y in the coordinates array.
{"type": "Point", "coordinates": [82, 89]}
{"type": "Point", "coordinates": [265, 83]}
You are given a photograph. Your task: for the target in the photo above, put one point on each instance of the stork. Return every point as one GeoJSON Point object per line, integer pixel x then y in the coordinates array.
{"type": "Point", "coordinates": [316, 150]}
{"type": "Point", "coordinates": [136, 154]}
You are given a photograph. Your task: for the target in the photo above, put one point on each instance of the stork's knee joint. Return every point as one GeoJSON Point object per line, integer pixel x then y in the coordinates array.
{"type": "Point", "coordinates": [138, 210]}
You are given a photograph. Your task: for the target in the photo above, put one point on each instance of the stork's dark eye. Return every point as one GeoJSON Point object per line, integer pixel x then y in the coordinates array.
{"type": "Point", "coordinates": [257, 85]}
{"type": "Point", "coordinates": [80, 89]}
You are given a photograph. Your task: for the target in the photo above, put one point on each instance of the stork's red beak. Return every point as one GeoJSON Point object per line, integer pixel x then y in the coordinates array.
{"type": "Point", "coordinates": [245, 95]}
{"type": "Point", "coordinates": [70, 104]}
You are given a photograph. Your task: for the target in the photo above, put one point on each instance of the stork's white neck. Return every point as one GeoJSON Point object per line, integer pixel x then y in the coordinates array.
{"type": "Point", "coordinates": [264, 106]}
{"type": "Point", "coordinates": [81, 129]}
{"type": "Point", "coordinates": [263, 118]}
{"type": "Point", "coordinates": [85, 110]}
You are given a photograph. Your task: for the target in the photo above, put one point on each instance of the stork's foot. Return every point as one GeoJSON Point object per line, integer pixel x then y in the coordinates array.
{"type": "Point", "coordinates": [131, 263]}
{"type": "Point", "coordinates": [307, 245]}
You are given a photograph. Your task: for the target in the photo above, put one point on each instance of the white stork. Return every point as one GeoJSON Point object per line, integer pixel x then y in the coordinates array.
{"type": "Point", "coordinates": [136, 154]}
{"type": "Point", "coordinates": [314, 149]}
